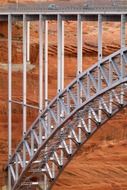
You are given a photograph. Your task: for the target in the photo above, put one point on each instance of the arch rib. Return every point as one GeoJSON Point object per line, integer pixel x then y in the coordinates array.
{"type": "Point", "coordinates": [69, 120]}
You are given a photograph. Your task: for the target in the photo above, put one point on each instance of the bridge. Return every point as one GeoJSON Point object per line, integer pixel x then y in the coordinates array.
{"type": "Point", "coordinates": [78, 110]}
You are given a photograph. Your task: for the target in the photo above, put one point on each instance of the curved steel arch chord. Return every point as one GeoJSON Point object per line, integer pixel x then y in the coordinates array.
{"type": "Point", "coordinates": [71, 138]}
{"type": "Point", "coordinates": [70, 131]}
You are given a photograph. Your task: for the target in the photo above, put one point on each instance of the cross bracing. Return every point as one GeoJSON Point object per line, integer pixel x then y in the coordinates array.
{"type": "Point", "coordinates": [68, 122]}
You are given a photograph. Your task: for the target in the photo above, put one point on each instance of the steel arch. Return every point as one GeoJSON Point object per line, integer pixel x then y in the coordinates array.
{"type": "Point", "coordinates": [68, 121]}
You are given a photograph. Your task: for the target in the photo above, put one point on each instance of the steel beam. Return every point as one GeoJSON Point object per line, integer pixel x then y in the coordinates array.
{"type": "Point", "coordinates": [41, 84]}
{"type": "Point", "coordinates": [60, 69]}
{"type": "Point", "coordinates": [9, 83]}
{"type": "Point", "coordinates": [46, 62]}
{"type": "Point", "coordinates": [79, 44]}
{"type": "Point", "coordinates": [99, 38]}
{"type": "Point", "coordinates": [41, 22]}
{"type": "Point", "coordinates": [123, 41]}
{"type": "Point", "coordinates": [60, 73]}
{"type": "Point", "coordinates": [28, 42]}
{"type": "Point", "coordinates": [123, 22]}
{"type": "Point", "coordinates": [9, 96]}
{"type": "Point", "coordinates": [24, 84]}
{"type": "Point", "coordinates": [45, 78]}
{"type": "Point", "coordinates": [24, 72]}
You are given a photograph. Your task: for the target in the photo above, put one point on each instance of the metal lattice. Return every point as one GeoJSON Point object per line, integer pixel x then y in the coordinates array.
{"type": "Point", "coordinates": [69, 121]}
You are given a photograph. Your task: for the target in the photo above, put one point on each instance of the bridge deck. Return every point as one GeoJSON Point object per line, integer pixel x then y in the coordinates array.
{"type": "Point", "coordinates": [69, 12]}
{"type": "Point", "coordinates": [92, 7]}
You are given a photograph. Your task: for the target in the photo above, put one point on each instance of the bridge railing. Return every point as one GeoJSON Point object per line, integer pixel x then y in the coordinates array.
{"type": "Point", "coordinates": [93, 8]}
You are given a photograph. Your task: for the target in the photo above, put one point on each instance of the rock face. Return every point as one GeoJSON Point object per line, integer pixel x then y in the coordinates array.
{"type": "Point", "coordinates": [102, 162]}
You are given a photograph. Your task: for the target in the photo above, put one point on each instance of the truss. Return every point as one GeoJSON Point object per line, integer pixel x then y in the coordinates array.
{"type": "Point", "coordinates": [68, 122]}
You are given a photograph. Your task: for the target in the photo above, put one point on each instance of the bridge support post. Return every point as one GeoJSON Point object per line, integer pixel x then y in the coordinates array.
{"type": "Point", "coordinates": [79, 66]}
{"type": "Point", "coordinates": [41, 87]}
{"type": "Point", "coordinates": [9, 96]}
{"type": "Point", "coordinates": [60, 73]}
{"type": "Point", "coordinates": [123, 22]}
{"type": "Point", "coordinates": [123, 45]}
{"type": "Point", "coordinates": [79, 44]}
{"type": "Point", "coordinates": [45, 81]}
{"type": "Point", "coordinates": [41, 65]}
{"type": "Point", "coordinates": [24, 82]}
{"type": "Point", "coordinates": [24, 72]}
{"type": "Point", "coordinates": [28, 42]}
{"type": "Point", "coordinates": [99, 48]}
{"type": "Point", "coordinates": [46, 62]}
{"type": "Point", "coordinates": [99, 38]}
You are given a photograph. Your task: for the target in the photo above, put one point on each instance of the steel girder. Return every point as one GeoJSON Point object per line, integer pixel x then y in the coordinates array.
{"type": "Point", "coordinates": [69, 121]}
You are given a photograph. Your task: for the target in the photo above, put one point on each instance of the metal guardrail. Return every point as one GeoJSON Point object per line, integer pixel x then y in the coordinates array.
{"type": "Point", "coordinates": [63, 9]}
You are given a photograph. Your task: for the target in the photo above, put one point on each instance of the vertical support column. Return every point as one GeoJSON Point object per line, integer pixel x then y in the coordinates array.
{"type": "Point", "coordinates": [24, 83]}
{"type": "Point", "coordinates": [100, 112]}
{"type": "Point", "coordinates": [123, 22]}
{"type": "Point", "coordinates": [99, 38]}
{"type": "Point", "coordinates": [24, 73]}
{"type": "Point", "coordinates": [123, 41]}
{"type": "Point", "coordinates": [9, 85]}
{"type": "Point", "coordinates": [60, 69]}
{"type": "Point", "coordinates": [46, 63]}
{"type": "Point", "coordinates": [79, 66]}
{"type": "Point", "coordinates": [28, 42]}
{"type": "Point", "coordinates": [40, 63]}
{"type": "Point", "coordinates": [123, 45]}
{"type": "Point", "coordinates": [9, 95]}
{"type": "Point", "coordinates": [45, 81]}
{"type": "Point", "coordinates": [110, 103]}
{"type": "Point", "coordinates": [79, 44]}
{"type": "Point", "coordinates": [41, 87]}
{"type": "Point", "coordinates": [60, 73]}
{"type": "Point", "coordinates": [89, 121]}
{"type": "Point", "coordinates": [99, 49]}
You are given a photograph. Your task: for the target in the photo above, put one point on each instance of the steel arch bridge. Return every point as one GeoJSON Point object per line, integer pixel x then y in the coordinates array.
{"type": "Point", "coordinates": [79, 110]}
{"type": "Point", "coordinates": [69, 121]}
